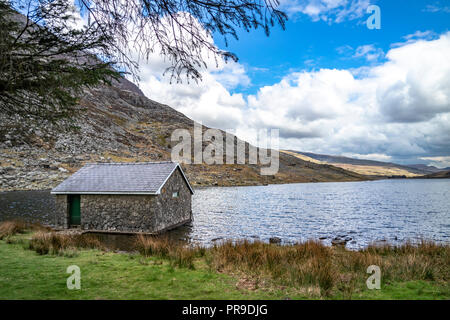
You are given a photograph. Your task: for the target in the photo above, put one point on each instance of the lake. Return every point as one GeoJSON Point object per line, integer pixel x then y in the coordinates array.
{"type": "Point", "coordinates": [392, 210]}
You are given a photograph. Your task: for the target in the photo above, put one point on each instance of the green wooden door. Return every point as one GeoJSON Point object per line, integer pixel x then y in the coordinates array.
{"type": "Point", "coordinates": [74, 209]}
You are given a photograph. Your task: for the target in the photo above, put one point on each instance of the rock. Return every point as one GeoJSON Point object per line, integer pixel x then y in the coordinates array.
{"type": "Point", "coordinates": [323, 238]}
{"type": "Point", "coordinates": [63, 170]}
{"type": "Point", "coordinates": [216, 239]}
{"type": "Point", "coordinates": [68, 160]}
{"type": "Point", "coordinates": [338, 242]}
{"type": "Point", "coordinates": [275, 240]}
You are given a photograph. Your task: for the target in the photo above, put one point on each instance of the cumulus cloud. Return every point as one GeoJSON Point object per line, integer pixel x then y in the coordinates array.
{"type": "Point", "coordinates": [209, 101]}
{"type": "Point", "coordinates": [439, 162]}
{"type": "Point", "coordinates": [416, 81]}
{"type": "Point", "coordinates": [398, 110]}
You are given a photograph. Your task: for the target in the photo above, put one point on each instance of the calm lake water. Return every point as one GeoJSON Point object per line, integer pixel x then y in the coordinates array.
{"type": "Point", "coordinates": [391, 210]}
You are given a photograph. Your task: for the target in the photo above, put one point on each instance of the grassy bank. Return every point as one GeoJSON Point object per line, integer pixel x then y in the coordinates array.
{"type": "Point", "coordinates": [33, 265]}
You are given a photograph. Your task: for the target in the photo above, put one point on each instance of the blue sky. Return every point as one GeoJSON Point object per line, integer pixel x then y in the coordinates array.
{"type": "Point", "coordinates": [329, 84]}
{"type": "Point", "coordinates": [310, 45]}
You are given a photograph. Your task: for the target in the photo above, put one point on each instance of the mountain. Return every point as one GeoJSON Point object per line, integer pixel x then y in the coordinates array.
{"type": "Point", "coordinates": [438, 175]}
{"type": "Point", "coordinates": [425, 168]}
{"type": "Point", "coordinates": [367, 167]}
{"type": "Point", "coordinates": [119, 124]}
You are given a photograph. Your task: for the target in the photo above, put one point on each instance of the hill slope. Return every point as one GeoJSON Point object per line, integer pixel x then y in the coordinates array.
{"type": "Point", "coordinates": [438, 175]}
{"type": "Point", "coordinates": [367, 167]}
{"type": "Point", "coordinates": [120, 124]}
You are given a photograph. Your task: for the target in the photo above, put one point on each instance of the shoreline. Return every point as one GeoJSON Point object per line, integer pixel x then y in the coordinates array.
{"type": "Point", "coordinates": [201, 187]}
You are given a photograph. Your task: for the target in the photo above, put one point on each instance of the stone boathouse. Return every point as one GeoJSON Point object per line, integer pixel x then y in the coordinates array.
{"type": "Point", "coordinates": [145, 197]}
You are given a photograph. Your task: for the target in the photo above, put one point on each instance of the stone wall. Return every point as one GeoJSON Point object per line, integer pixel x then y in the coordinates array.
{"type": "Point", "coordinates": [173, 210]}
{"type": "Point", "coordinates": [61, 211]}
{"type": "Point", "coordinates": [132, 213]}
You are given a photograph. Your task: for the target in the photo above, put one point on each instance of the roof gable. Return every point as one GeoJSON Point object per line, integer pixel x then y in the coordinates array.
{"type": "Point", "coordinates": [120, 178]}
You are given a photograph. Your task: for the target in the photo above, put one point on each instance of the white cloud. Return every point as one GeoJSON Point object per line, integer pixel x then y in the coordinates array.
{"type": "Point", "coordinates": [394, 111]}
{"type": "Point", "coordinates": [208, 101]}
{"type": "Point", "coordinates": [369, 52]}
{"type": "Point", "coordinates": [418, 35]}
{"type": "Point", "coordinates": [397, 109]}
{"type": "Point", "coordinates": [326, 10]}
{"type": "Point", "coordinates": [437, 7]}
{"type": "Point", "coordinates": [370, 156]}
{"type": "Point", "coordinates": [439, 162]}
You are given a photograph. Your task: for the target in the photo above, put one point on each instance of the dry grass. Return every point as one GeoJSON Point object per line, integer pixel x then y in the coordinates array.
{"type": "Point", "coordinates": [303, 157]}
{"type": "Point", "coordinates": [60, 244]}
{"type": "Point", "coordinates": [375, 170]}
{"type": "Point", "coordinates": [299, 265]}
{"type": "Point", "coordinates": [10, 228]}
{"type": "Point", "coordinates": [180, 255]}
{"type": "Point", "coordinates": [310, 264]}
{"type": "Point", "coordinates": [424, 261]}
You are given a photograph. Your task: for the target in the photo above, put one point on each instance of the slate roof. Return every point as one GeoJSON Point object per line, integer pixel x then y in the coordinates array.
{"type": "Point", "coordinates": [119, 178]}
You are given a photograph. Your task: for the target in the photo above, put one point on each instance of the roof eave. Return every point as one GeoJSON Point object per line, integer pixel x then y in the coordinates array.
{"type": "Point", "coordinates": [105, 192]}
{"type": "Point", "coordinates": [171, 173]}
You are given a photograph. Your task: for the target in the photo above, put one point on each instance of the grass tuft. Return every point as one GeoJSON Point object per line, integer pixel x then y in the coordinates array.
{"type": "Point", "coordinates": [13, 227]}
{"type": "Point", "coordinates": [179, 255]}
{"type": "Point", "coordinates": [322, 270]}
{"type": "Point", "coordinates": [61, 244]}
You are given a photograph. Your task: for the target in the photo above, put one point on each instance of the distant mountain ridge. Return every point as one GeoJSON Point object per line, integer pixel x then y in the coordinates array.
{"type": "Point", "coordinates": [425, 167]}
{"type": "Point", "coordinates": [370, 167]}
{"type": "Point", "coordinates": [438, 175]}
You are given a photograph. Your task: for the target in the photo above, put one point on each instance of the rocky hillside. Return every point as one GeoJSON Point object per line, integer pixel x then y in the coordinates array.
{"type": "Point", "coordinates": [119, 124]}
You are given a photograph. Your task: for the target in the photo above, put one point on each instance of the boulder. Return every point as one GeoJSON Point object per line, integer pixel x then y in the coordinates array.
{"type": "Point", "coordinates": [338, 242]}
{"type": "Point", "coordinates": [275, 240]}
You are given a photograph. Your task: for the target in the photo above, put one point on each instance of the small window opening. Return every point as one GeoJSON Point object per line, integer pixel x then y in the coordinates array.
{"type": "Point", "coordinates": [175, 194]}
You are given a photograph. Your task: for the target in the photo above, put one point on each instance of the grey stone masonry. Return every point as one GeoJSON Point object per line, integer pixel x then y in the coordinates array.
{"type": "Point", "coordinates": [132, 213]}
{"type": "Point", "coordinates": [61, 211]}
